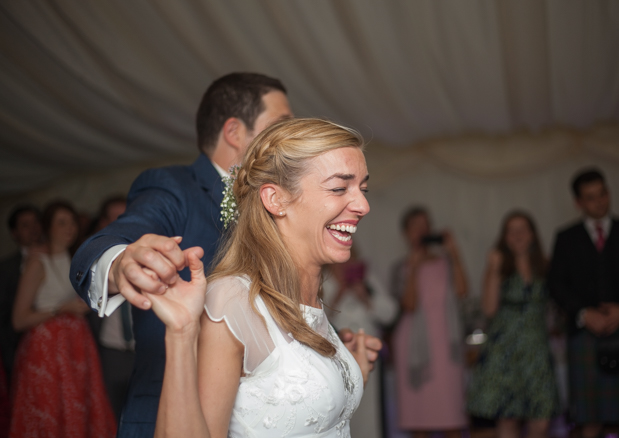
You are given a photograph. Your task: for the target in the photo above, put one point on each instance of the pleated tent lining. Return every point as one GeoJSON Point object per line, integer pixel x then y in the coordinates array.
{"type": "Point", "coordinates": [91, 86]}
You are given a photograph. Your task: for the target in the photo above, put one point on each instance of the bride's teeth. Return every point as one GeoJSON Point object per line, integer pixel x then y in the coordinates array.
{"type": "Point", "coordinates": [343, 239]}
{"type": "Point", "coordinates": [347, 228]}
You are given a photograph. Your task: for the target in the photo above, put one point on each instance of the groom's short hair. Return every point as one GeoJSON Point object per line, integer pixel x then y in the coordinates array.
{"type": "Point", "coordinates": [236, 95]}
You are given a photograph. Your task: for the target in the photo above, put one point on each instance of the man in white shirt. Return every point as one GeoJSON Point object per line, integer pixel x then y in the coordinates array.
{"type": "Point", "coordinates": [584, 280]}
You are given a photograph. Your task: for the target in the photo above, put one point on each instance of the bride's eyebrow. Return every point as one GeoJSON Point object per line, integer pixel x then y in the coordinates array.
{"type": "Point", "coordinates": [342, 176]}
{"type": "Point", "coordinates": [346, 177]}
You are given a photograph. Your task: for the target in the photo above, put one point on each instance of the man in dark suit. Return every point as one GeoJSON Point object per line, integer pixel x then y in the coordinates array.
{"type": "Point", "coordinates": [584, 280]}
{"type": "Point", "coordinates": [168, 202]}
{"type": "Point", "coordinates": [25, 226]}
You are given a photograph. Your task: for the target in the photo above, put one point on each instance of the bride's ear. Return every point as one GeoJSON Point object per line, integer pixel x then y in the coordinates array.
{"type": "Point", "coordinates": [273, 199]}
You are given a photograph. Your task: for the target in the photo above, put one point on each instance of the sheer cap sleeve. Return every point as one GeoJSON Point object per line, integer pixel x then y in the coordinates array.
{"type": "Point", "coordinates": [227, 299]}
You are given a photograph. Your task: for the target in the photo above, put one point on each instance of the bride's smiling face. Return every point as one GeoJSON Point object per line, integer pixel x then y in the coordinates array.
{"type": "Point", "coordinates": [319, 225]}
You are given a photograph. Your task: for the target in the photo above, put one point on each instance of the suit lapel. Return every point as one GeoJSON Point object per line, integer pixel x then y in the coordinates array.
{"type": "Point", "coordinates": [585, 240]}
{"type": "Point", "coordinates": [209, 179]}
{"type": "Point", "coordinates": [613, 235]}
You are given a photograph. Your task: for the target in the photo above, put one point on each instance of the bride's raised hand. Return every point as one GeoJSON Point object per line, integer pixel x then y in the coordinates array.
{"type": "Point", "coordinates": [182, 304]}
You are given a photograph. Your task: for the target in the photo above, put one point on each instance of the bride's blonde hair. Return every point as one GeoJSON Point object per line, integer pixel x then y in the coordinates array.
{"type": "Point", "coordinates": [280, 155]}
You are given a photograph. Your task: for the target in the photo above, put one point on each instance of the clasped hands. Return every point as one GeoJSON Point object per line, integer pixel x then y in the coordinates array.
{"type": "Point", "coordinates": [146, 274]}
{"type": "Point", "coordinates": [602, 320]}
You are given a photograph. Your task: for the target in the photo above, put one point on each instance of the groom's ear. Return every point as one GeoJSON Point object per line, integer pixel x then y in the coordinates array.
{"type": "Point", "coordinates": [273, 198]}
{"type": "Point", "coordinates": [234, 133]}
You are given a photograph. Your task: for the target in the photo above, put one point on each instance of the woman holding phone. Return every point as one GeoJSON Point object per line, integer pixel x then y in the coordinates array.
{"type": "Point", "coordinates": [427, 341]}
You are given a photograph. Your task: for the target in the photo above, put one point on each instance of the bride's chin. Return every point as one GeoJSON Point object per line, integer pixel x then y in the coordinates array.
{"type": "Point", "coordinates": [342, 257]}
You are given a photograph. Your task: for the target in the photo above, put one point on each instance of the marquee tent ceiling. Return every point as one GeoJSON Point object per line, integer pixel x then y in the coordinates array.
{"type": "Point", "coordinates": [95, 85]}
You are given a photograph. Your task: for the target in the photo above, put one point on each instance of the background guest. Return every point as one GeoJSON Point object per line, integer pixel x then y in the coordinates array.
{"type": "Point", "coordinates": [428, 340]}
{"type": "Point", "coordinates": [111, 208]}
{"type": "Point", "coordinates": [514, 378]}
{"type": "Point", "coordinates": [355, 299]}
{"type": "Point", "coordinates": [25, 226]}
{"type": "Point", "coordinates": [114, 332]}
{"type": "Point", "coordinates": [58, 386]}
{"type": "Point", "coordinates": [584, 280]}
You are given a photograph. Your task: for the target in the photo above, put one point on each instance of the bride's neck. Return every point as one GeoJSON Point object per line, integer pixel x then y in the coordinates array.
{"type": "Point", "coordinates": [310, 284]}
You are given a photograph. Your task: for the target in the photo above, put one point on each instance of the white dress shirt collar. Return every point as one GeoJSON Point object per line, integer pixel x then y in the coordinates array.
{"type": "Point", "coordinates": [590, 225]}
{"type": "Point", "coordinates": [219, 170]}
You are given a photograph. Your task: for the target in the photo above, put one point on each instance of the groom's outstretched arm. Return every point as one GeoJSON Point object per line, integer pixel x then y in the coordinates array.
{"type": "Point", "coordinates": [155, 206]}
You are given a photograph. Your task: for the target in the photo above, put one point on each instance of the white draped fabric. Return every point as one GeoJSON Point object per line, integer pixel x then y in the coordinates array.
{"type": "Point", "coordinates": [97, 85]}
{"type": "Point", "coordinates": [478, 98]}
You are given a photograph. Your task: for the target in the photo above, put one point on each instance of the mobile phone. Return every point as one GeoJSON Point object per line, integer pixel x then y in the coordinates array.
{"type": "Point", "coordinates": [432, 239]}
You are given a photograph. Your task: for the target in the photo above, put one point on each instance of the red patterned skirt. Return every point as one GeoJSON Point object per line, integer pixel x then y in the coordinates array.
{"type": "Point", "coordinates": [58, 386]}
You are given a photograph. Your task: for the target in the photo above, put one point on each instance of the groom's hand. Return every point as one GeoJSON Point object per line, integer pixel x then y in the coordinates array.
{"type": "Point", "coordinates": [131, 272]}
{"type": "Point", "coordinates": [182, 303]}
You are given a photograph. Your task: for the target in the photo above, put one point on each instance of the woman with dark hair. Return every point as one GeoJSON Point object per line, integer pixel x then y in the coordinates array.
{"type": "Point", "coordinates": [514, 379]}
{"type": "Point", "coordinates": [58, 388]}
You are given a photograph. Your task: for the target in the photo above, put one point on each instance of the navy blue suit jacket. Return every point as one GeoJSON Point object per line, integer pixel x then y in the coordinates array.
{"type": "Point", "coordinates": [171, 201]}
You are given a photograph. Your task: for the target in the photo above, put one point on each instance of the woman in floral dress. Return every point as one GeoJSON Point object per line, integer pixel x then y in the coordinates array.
{"type": "Point", "coordinates": [514, 380]}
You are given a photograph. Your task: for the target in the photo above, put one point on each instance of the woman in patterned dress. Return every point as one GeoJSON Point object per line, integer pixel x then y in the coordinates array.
{"type": "Point", "coordinates": [257, 357]}
{"type": "Point", "coordinates": [514, 379]}
{"type": "Point", "coordinates": [58, 385]}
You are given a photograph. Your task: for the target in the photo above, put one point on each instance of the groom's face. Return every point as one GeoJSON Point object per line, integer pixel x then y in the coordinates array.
{"type": "Point", "coordinates": [594, 199]}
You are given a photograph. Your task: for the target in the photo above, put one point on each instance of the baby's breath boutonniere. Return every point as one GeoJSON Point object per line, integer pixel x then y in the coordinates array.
{"type": "Point", "coordinates": [229, 207]}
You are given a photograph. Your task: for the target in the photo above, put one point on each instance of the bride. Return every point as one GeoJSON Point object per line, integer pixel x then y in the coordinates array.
{"type": "Point", "coordinates": [255, 356]}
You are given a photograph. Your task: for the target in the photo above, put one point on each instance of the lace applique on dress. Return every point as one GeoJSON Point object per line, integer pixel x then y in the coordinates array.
{"type": "Point", "coordinates": [351, 380]}
{"type": "Point", "coordinates": [314, 318]}
{"type": "Point", "coordinates": [296, 391]}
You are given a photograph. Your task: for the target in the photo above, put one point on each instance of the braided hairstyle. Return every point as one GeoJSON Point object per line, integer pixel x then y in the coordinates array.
{"type": "Point", "coordinates": [280, 155]}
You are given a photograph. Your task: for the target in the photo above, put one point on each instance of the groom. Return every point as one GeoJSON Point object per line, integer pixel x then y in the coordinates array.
{"type": "Point", "coordinates": [164, 204]}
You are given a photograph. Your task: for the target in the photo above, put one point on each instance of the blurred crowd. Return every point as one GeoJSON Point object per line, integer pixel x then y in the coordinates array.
{"type": "Point", "coordinates": [56, 355]}
{"type": "Point", "coordinates": [55, 352]}
{"type": "Point", "coordinates": [505, 375]}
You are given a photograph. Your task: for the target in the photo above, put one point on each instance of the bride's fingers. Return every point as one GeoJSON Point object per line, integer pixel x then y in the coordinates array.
{"type": "Point", "coordinates": [196, 267]}
{"type": "Point", "coordinates": [198, 251]}
{"type": "Point", "coordinates": [361, 356]}
{"type": "Point", "coordinates": [360, 347]}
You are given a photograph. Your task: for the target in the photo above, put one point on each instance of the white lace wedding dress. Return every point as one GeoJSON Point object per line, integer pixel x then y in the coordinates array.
{"type": "Point", "coordinates": [288, 390]}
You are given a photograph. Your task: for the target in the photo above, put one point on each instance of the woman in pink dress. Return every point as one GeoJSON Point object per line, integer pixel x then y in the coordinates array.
{"type": "Point", "coordinates": [428, 338]}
